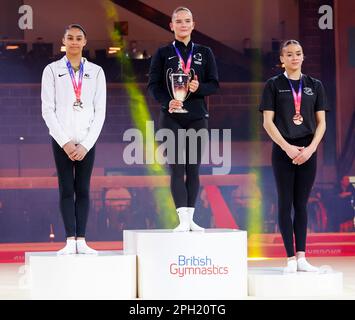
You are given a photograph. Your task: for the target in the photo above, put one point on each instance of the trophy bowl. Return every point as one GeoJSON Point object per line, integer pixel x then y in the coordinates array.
{"type": "Point", "coordinates": [180, 88]}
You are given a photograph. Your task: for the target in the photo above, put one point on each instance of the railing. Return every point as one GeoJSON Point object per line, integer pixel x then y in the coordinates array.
{"type": "Point", "coordinates": [99, 182]}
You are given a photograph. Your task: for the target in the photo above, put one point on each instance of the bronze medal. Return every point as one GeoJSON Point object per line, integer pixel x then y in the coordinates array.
{"type": "Point", "coordinates": [297, 119]}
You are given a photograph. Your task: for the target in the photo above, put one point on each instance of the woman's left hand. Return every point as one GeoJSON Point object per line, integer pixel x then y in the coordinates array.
{"type": "Point", "coordinates": [305, 154]}
{"type": "Point", "coordinates": [193, 86]}
{"type": "Point", "coordinates": [80, 153]}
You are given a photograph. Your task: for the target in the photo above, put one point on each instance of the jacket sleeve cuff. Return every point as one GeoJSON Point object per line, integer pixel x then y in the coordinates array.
{"type": "Point", "coordinates": [86, 145]}
{"type": "Point", "coordinates": [62, 141]}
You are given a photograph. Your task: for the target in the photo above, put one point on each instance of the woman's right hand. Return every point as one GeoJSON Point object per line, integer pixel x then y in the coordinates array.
{"type": "Point", "coordinates": [69, 149]}
{"type": "Point", "coordinates": [174, 104]}
{"type": "Point", "coordinates": [293, 151]}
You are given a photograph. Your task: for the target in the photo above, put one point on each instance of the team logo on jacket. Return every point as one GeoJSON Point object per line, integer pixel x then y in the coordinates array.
{"type": "Point", "coordinates": [198, 58]}
{"type": "Point", "coordinates": [86, 76]}
{"type": "Point", "coordinates": [308, 91]}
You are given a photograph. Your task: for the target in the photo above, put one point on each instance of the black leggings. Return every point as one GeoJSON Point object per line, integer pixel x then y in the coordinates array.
{"type": "Point", "coordinates": [184, 192]}
{"type": "Point", "coordinates": [73, 178]}
{"type": "Point", "coordinates": [294, 184]}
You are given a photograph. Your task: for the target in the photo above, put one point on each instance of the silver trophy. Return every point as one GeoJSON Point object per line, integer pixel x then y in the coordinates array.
{"type": "Point", "coordinates": [179, 86]}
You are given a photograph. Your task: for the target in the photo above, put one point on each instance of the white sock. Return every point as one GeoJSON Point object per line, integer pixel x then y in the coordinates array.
{"type": "Point", "coordinates": [184, 220]}
{"type": "Point", "coordinates": [70, 248]}
{"type": "Point", "coordinates": [305, 266]}
{"type": "Point", "coordinates": [193, 225]}
{"type": "Point", "coordinates": [83, 248]}
{"type": "Point", "coordinates": [291, 266]}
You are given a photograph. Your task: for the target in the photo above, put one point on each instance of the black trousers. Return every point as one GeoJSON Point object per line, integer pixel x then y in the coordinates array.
{"type": "Point", "coordinates": [74, 189]}
{"type": "Point", "coordinates": [184, 192]}
{"type": "Point", "coordinates": [294, 184]}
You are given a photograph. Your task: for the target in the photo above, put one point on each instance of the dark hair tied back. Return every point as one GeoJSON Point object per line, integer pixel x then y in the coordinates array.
{"type": "Point", "coordinates": [77, 26]}
{"type": "Point", "coordinates": [287, 43]}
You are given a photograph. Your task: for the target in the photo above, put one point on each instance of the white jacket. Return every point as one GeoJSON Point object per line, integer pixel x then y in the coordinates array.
{"type": "Point", "coordinates": [58, 96]}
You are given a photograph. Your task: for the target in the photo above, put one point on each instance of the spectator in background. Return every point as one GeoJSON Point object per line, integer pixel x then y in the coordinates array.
{"type": "Point", "coordinates": [317, 212]}
{"type": "Point", "coordinates": [143, 208]}
{"type": "Point", "coordinates": [204, 214]}
{"type": "Point", "coordinates": [146, 55]}
{"type": "Point", "coordinates": [345, 193]}
{"type": "Point", "coordinates": [116, 214]}
{"type": "Point", "coordinates": [246, 204]}
{"type": "Point", "coordinates": [2, 222]}
{"type": "Point", "coordinates": [133, 51]}
{"type": "Point", "coordinates": [269, 207]}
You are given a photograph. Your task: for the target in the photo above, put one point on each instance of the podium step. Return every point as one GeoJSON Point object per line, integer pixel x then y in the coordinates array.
{"type": "Point", "coordinates": [189, 265]}
{"type": "Point", "coordinates": [15, 252]}
{"type": "Point", "coordinates": [109, 275]}
{"type": "Point", "coordinates": [273, 283]}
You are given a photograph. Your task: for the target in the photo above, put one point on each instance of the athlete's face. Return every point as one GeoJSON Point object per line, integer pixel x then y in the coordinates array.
{"type": "Point", "coordinates": [182, 24]}
{"type": "Point", "coordinates": [292, 57]}
{"type": "Point", "coordinates": [74, 41]}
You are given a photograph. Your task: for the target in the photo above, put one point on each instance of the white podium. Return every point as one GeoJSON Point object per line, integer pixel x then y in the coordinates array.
{"type": "Point", "coordinates": [109, 275]}
{"type": "Point", "coordinates": [272, 282]}
{"type": "Point", "coordinates": [189, 265]}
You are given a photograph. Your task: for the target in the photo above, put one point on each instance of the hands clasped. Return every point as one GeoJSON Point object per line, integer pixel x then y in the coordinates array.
{"type": "Point", "coordinates": [75, 152]}
{"type": "Point", "coordinates": [299, 155]}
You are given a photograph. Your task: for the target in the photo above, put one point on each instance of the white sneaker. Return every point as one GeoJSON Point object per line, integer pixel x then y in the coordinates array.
{"type": "Point", "coordinates": [184, 225]}
{"type": "Point", "coordinates": [291, 266]}
{"type": "Point", "coordinates": [304, 266]}
{"type": "Point", "coordinates": [193, 225]}
{"type": "Point", "coordinates": [70, 248]}
{"type": "Point", "coordinates": [83, 248]}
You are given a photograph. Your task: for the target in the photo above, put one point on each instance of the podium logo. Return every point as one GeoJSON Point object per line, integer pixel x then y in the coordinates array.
{"type": "Point", "coordinates": [193, 266]}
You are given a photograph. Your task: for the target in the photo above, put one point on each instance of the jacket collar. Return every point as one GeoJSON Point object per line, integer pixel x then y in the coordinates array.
{"type": "Point", "coordinates": [181, 45]}
{"type": "Point", "coordinates": [63, 63]}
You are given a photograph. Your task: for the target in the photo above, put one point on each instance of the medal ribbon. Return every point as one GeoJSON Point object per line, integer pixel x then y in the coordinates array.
{"type": "Point", "coordinates": [76, 86]}
{"type": "Point", "coordinates": [297, 97]}
{"type": "Point", "coordinates": [185, 68]}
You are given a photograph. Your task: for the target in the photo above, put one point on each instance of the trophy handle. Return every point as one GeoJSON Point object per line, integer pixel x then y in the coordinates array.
{"type": "Point", "coordinates": [192, 76]}
{"type": "Point", "coordinates": [168, 81]}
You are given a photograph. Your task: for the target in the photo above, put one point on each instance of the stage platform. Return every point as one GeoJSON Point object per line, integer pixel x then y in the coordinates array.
{"type": "Point", "coordinates": [13, 286]}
